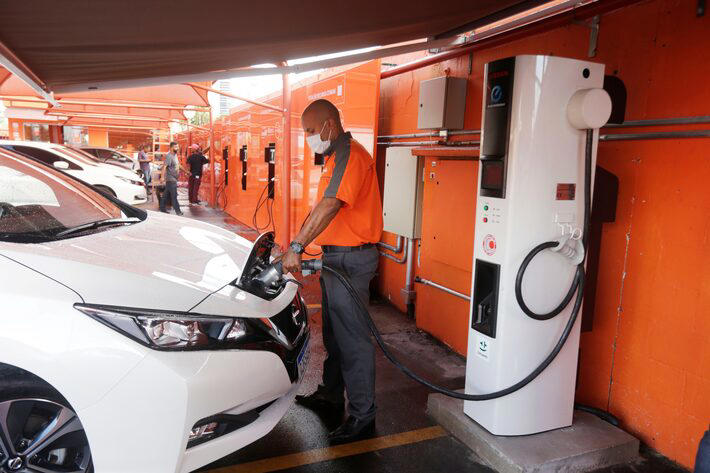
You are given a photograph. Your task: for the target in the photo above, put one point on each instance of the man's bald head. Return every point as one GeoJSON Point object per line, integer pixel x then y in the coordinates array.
{"type": "Point", "coordinates": [322, 116]}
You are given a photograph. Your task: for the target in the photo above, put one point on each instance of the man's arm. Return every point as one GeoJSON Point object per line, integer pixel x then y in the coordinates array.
{"type": "Point", "coordinates": [320, 218]}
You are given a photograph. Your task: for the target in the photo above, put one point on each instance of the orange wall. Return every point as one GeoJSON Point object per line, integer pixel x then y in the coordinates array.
{"type": "Point", "coordinates": [98, 137]}
{"type": "Point", "coordinates": [647, 358]}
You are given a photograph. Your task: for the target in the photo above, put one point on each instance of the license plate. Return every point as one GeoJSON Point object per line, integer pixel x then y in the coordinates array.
{"type": "Point", "coordinates": [303, 357]}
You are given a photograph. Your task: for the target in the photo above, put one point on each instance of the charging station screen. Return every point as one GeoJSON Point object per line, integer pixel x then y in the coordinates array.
{"type": "Point", "coordinates": [492, 175]}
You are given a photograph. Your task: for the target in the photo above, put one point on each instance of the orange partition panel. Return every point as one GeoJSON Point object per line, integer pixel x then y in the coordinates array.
{"type": "Point", "coordinates": [353, 90]}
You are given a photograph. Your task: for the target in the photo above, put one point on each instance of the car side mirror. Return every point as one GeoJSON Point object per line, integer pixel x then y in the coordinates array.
{"type": "Point", "coordinates": [61, 164]}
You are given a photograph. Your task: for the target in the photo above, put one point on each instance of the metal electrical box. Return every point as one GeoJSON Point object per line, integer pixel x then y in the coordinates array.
{"type": "Point", "coordinates": [442, 102]}
{"type": "Point", "coordinates": [402, 206]}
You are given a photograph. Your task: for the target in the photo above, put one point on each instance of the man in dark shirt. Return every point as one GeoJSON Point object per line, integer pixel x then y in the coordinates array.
{"type": "Point", "coordinates": [195, 161]}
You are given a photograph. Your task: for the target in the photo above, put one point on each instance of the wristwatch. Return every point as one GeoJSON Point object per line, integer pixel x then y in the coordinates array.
{"type": "Point", "coordinates": [296, 247]}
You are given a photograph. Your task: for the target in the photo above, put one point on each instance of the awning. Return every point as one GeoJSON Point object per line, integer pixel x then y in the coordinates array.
{"type": "Point", "coordinates": [172, 94]}
{"type": "Point", "coordinates": [76, 45]}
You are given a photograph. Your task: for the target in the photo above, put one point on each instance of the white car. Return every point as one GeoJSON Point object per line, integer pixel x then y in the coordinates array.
{"type": "Point", "coordinates": [119, 182]}
{"type": "Point", "coordinates": [133, 341]}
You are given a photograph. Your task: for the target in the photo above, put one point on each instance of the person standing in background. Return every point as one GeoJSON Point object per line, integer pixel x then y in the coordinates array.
{"type": "Point", "coordinates": [195, 162]}
{"type": "Point", "coordinates": [144, 164]}
{"type": "Point", "coordinates": [172, 169]}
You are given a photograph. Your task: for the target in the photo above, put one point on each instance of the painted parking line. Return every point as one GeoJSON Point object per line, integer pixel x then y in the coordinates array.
{"type": "Point", "coordinates": [331, 453]}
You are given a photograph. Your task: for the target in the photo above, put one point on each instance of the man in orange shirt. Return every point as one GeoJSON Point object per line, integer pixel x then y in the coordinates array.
{"type": "Point", "coordinates": [347, 223]}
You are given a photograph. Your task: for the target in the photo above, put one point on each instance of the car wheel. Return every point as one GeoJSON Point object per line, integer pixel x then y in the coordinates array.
{"type": "Point", "coordinates": [106, 190]}
{"type": "Point", "coordinates": [39, 431]}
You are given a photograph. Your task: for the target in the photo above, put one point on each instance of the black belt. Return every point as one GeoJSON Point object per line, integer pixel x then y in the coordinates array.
{"type": "Point", "coordinates": [346, 249]}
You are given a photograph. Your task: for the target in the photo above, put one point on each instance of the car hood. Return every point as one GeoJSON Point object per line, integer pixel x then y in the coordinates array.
{"type": "Point", "coordinates": [164, 262]}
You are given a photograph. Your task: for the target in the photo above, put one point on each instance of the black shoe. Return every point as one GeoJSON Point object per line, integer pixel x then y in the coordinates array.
{"type": "Point", "coordinates": [352, 429]}
{"type": "Point", "coordinates": [319, 402]}
{"type": "Point", "coordinates": [179, 214]}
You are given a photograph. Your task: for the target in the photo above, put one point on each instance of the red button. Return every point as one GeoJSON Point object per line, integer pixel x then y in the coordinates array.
{"type": "Point", "coordinates": [485, 219]}
{"type": "Point", "coordinates": [491, 244]}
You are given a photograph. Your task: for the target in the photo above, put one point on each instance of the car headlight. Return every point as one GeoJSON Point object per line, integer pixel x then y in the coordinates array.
{"type": "Point", "coordinates": [130, 181]}
{"type": "Point", "coordinates": [168, 330]}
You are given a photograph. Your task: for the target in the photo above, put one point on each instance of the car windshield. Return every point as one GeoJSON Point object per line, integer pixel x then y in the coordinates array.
{"type": "Point", "coordinates": [79, 156]}
{"type": "Point", "coordinates": [83, 153]}
{"type": "Point", "coordinates": [38, 202]}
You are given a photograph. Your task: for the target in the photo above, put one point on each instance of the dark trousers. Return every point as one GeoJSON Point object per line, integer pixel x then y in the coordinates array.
{"type": "Point", "coordinates": [350, 363]}
{"type": "Point", "coordinates": [193, 187]}
{"type": "Point", "coordinates": [170, 193]}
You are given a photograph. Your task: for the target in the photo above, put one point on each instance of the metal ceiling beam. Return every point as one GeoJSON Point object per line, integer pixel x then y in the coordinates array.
{"type": "Point", "coordinates": [13, 64]}
{"type": "Point", "coordinates": [244, 99]}
{"type": "Point", "coordinates": [146, 105]}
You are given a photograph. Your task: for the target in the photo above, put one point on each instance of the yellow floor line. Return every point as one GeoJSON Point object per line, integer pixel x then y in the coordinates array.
{"type": "Point", "coordinates": [331, 453]}
{"type": "Point", "coordinates": [313, 306]}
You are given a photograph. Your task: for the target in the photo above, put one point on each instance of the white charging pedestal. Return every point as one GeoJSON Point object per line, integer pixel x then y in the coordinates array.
{"type": "Point", "coordinates": [530, 190]}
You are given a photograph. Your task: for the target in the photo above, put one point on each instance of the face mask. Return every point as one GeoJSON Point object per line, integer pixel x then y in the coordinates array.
{"type": "Point", "coordinates": [316, 143]}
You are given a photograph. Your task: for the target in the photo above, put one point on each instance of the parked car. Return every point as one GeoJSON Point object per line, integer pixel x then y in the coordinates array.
{"type": "Point", "coordinates": [132, 341]}
{"type": "Point", "coordinates": [111, 156]}
{"type": "Point", "coordinates": [116, 181]}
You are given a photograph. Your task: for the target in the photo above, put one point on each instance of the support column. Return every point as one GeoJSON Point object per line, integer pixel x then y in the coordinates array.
{"type": "Point", "coordinates": [213, 200]}
{"type": "Point", "coordinates": [285, 238]}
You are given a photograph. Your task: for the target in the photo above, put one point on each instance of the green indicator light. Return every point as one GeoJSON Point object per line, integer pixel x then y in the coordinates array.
{"type": "Point", "coordinates": [485, 207]}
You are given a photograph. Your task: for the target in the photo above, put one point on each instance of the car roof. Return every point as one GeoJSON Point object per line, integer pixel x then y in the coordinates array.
{"type": "Point", "coordinates": [36, 144]}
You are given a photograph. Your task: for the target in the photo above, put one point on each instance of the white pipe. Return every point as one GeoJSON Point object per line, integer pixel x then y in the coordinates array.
{"type": "Point", "coordinates": [395, 259]}
{"type": "Point", "coordinates": [395, 249]}
{"type": "Point", "coordinates": [408, 283]}
{"type": "Point", "coordinates": [426, 282]}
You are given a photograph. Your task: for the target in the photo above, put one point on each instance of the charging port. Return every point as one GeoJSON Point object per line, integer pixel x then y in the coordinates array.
{"type": "Point", "coordinates": [485, 298]}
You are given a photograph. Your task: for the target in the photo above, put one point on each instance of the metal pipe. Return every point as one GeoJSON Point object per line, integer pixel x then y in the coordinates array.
{"type": "Point", "coordinates": [450, 144]}
{"type": "Point", "coordinates": [408, 143]}
{"type": "Point", "coordinates": [410, 265]}
{"type": "Point", "coordinates": [213, 190]}
{"type": "Point", "coordinates": [427, 282]}
{"type": "Point", "coordinates": [408, 292]}
{"type": "Point", "coordinates": [511, 31]}
{"type": "Point", "coordinates": [661, 122]}
{"type": "Point", "coordinates": [14, 64]}
{"type": "Point", "coordinates": [286, 166]}
{"type": "Point", "coordinates": [400, 260]}
{"type": "Point", "coordinates": [428, 134]}
{"type": "Point", "coordinates": [408, 135]}
{"type": "Point", "coordinates": [393, 249]}
{"type": "Point", "coordinates": [656, 135]}
{"type": "Point", "coordinates": [244, 99]}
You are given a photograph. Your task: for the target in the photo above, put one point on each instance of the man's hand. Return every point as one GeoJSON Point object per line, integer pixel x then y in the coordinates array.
{"type": "Point", "coordinates": [291, 262]}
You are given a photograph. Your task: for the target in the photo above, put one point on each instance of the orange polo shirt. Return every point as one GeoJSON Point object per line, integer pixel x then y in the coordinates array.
{"type": "Point", "coordinates": [349, 175]}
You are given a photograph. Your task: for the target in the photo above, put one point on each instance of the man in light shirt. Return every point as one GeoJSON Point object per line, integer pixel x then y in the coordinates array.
{"type": "Point", "coordinates": [172, 171]}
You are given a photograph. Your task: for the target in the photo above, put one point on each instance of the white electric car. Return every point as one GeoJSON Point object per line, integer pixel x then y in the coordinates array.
{"type": "Point", "coordinates": [133, 341]}
{"type": "Point", "coordinates": [119, 182]}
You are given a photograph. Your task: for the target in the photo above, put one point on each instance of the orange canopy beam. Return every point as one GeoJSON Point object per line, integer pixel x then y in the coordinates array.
{"type": "Point", "coordinates": [16, 98]}
{"type": "Point", "coordinates": [244, 99]}
{"type": "Point", "coordinates": [105, 115]}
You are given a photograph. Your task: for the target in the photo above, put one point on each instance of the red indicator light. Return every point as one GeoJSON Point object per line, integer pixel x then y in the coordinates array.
{"type": "Point", "coordinates": [485, 219]}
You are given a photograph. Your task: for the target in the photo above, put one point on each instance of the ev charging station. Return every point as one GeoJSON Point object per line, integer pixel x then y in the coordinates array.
{"type": "Point", "coordinates": [536, 113]}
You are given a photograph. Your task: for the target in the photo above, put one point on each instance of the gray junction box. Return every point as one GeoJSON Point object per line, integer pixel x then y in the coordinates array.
{"type": "Point", "coordinates": [442, 102]}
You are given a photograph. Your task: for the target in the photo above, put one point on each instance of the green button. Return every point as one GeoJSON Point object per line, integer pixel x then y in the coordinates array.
{"type": "Point", "coordinates": [485, 207]}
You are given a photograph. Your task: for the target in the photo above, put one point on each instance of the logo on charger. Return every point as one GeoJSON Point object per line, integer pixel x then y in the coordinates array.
{"type": "Point", "coordinates": [489, 244]}
{"type": "Point", "coordinates": [496, 94]}
{"type": "Point", "coordinates": [483, 348]}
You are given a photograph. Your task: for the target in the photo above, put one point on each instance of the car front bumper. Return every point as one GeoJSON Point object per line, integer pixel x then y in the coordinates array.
{"type": "Point", "coordinates": [143, 423]}
{"type": "Point", "coordinates": [131, 194]}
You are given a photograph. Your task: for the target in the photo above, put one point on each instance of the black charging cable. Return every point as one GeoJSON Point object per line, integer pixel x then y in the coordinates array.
{"type": "Point", "coordinates": [577, 286]}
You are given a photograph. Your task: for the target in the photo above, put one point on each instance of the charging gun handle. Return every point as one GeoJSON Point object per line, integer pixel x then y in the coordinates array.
{"type": "Point", "coordinates": [311, 266]}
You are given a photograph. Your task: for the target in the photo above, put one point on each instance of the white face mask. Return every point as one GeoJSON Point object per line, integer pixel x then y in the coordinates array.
{"type": "Point", "coordinates": [316, 143]}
